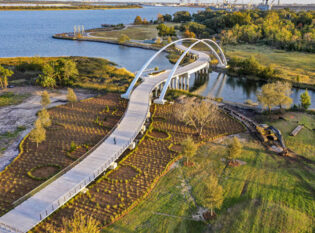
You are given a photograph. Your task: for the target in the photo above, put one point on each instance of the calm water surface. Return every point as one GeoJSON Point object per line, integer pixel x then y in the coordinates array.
{"type": "Point", "coordinates": [238, 90]}
{"type": "Point", "coordinates": [28, 33]}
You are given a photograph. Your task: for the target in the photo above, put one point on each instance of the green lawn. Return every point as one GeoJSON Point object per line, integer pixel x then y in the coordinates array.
{"type": "Point", "coordinates": [138, 32]}
{"type": "Point", "coordinates": [9, 98]}
{"type": "Point", "coordinates": [267, 194]}
{"type": "Point", "coordinates": [291, 64]}
{"type": "Point", "coordinates": [304, 142]}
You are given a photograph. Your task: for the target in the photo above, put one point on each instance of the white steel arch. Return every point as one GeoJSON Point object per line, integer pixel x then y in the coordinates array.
{"type": "Point", "coordinates": [170, 76]}
{"type": "Point", "coordinates": [222, 62]}
{"type": "Point", "coordinates": [134, 81]}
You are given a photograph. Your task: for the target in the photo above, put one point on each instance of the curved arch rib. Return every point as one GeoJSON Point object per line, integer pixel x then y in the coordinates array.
{"type": "Point", "coordinates": [134, 81]}
{"type": "Point", "coordinates": [222, 63]}
{"type": "Point", "coordinates": [161, 98]}
{"type": "Point", "coordinates": [223, 58]}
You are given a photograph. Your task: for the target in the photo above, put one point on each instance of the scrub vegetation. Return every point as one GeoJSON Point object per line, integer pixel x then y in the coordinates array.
{"type": "Point", "coordinates": [91, 73]}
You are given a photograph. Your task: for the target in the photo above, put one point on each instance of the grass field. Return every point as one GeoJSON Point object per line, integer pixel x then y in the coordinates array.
{"type": "Point", "coordinates": [9, 98]}
{"type": "Point", "coordinates": [268, 194]}
{"type": "Point", "coordinates": [304, 142]}
{"type": "Point", "coordinates": [291, 64]}
{"type": "Point", "coordinates": [138, 32]}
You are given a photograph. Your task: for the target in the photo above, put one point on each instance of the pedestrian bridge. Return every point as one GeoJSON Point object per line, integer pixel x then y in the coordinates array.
{"type": "Point", "coordinates": [179, 76]}
{"type": "Point", "coordinates": [51, 197]}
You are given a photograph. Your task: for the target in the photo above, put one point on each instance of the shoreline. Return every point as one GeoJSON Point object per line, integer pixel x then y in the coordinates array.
{"type": "Point", "coordinates": [67, 8]}
{"type": "Point", "coordinates": [108, 41]}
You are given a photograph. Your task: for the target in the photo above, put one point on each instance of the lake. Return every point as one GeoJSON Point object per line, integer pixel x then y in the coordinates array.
{"type": "Point", "coordinates": [29, 33]}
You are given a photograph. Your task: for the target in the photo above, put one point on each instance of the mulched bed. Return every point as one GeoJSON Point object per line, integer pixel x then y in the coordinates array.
{"type": "Point", "coordinates": [68, 124]}
{"type": "Point", "coordinates": [158, 134]}
{"type": "Point", "coordinates": [176, 147]}
{"type": "Point", "coordinates": [124, 173]}
{"type": "Point", "coordinates": [107, 201]}
{"type": "Point", "coordinates": [45, 171]}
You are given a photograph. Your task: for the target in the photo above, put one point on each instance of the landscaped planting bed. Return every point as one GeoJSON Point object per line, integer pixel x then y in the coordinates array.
{"type": "Point", "coordinates": [118, 191]}
{"type": "Point", "coordinates": [70, 125]}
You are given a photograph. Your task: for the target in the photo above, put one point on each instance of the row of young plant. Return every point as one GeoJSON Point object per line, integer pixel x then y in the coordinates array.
{"type": "Point", "coordinates": [108, 199]}
{"type": "Point", "coordinates": [18, 178]}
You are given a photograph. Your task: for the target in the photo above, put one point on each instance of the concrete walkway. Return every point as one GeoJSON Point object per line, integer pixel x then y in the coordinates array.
{"type": "Point", "coordinates": [32, 211]}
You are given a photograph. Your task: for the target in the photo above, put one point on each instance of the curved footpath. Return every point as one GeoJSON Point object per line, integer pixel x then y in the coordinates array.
{"type": "Point", "coordinates": [32, 211]}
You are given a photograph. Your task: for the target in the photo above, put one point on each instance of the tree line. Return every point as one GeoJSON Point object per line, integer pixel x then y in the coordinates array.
{"type": "Point", "coordinates": [283, 29]}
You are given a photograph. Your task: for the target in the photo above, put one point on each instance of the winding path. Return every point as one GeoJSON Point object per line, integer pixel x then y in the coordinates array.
{"type": "Point", "coordinates": [32, 211]}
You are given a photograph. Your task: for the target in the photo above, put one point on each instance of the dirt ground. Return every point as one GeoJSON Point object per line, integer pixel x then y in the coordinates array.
{"type": "Point", "coordinates": [24, 115]}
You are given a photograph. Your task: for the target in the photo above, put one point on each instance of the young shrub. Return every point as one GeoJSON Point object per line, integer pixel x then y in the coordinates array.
{"type": "Point", "coordinates": [44, 118]}
{"type": "Point", "coordinates": [45, 99]}
{"type": "Point", "coordinates": [235, 149]}
{"type": "Point", "coordinates": [189, 148]}
{"type": "Point", "coordinates": [213, 194]}
{"type": "Point", "coordinates": [71, 96]}
{"type": "Point", "coordinates": [38, 134]}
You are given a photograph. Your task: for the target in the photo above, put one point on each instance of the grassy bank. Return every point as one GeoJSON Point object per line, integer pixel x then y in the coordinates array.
{"type": "Point", "coordinates": [9, 98]}
{"type": "Point", "coordinates": [94, 73]}
{"type": "Point", "coordinates": [293, 66]}
{"type": "Point", "coordinates": [304, 142]}
{"type": "Point", "coordinates": [70, 7]}
{"type": "Point", "coordinates": [133, 32]}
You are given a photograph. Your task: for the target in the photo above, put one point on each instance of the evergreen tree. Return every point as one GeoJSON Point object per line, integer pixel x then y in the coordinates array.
{"type": "Point", "coordinates": [305, 100]}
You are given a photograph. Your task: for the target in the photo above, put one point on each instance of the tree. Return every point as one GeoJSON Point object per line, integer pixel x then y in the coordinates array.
{"type": "Point", "coordinates": [169, 40]}
{"type": "Point", "coordinates": [137, 20]}
{"type": "Point", "coordinates": [305, 100]}
{"type": "Point", "coordinates": [123, 38]}
{"type": "Point", "coordinates": [275, 94]}
{"type": "Point", "coordinates": [71, 96]}
{"type": "Point", "coordinates": [235, 149]}
{"type": "Point", "coordinates": [182, 16]}
{"type": "Point", "coordinates": [213, 193]}
{"type": "Point", "coordinates": [197, 114]}
{"type": "Point", "coordinates": [189, 34]}
{"type": "Point", "coordinates": [38, 134]}
{"type": "Point", "coordinates": [47, 78]}
{"type": "Point", "coordinates": [44, 117]}
{"type": "Point", "coordinates": [284, 92]}
{"type": "Point", "coordinates": [66, 71]}
{"type": "Point", "coordinates": [189, 148]}
{"type": "Point", "coordinates": [167, 18]}
{"type": "Point", "coordinates": [45, 99]}
{"type": "Point", "coordinates": [158, 40]}
{"type": "Point", "coordinates": [4, 74]}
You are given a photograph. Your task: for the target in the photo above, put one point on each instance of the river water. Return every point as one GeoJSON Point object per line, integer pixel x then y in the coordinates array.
{"type": "Point", "coordinates": [29, 33]}
{"type": "Point", "coordinates": [235, 89]}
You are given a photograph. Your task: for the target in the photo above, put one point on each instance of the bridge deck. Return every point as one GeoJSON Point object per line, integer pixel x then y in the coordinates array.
{"type": "Point", "coordinates": [29, 213]}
